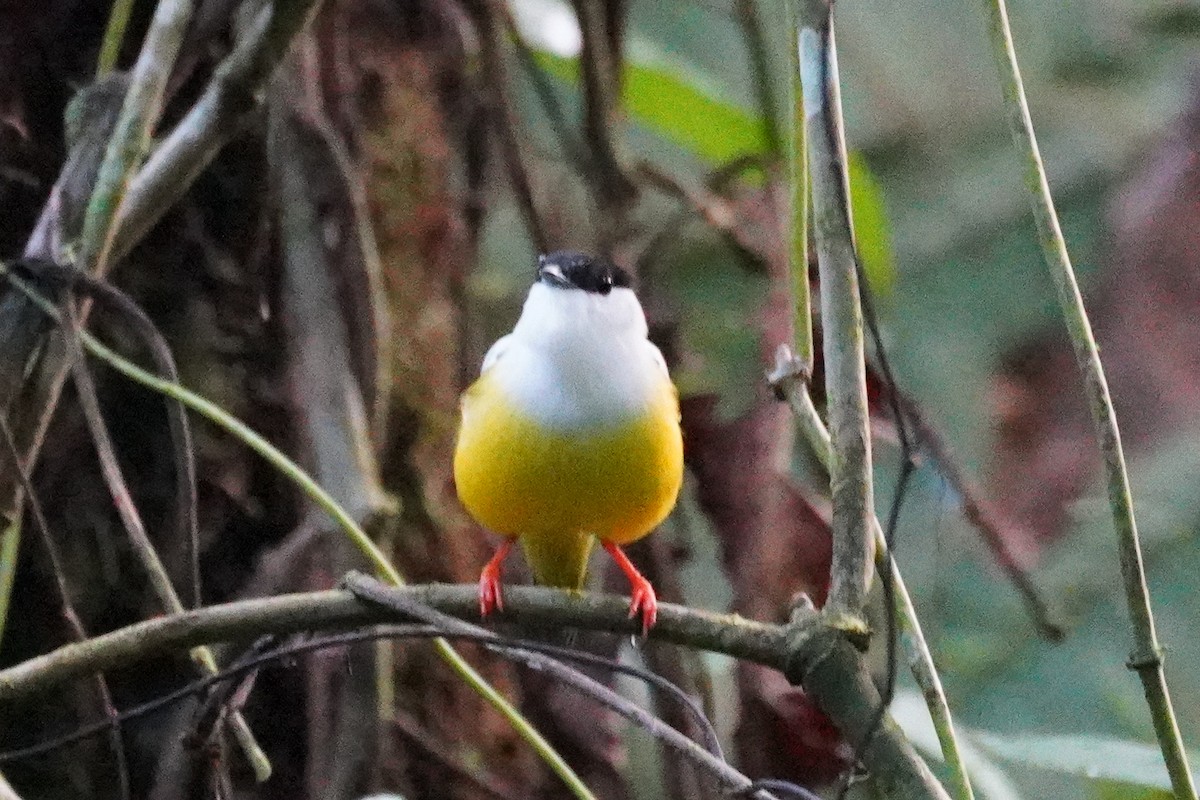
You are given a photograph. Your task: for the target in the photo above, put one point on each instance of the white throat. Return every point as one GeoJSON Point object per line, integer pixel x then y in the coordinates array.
{"type": "Point", "coordinates": [578, 359]}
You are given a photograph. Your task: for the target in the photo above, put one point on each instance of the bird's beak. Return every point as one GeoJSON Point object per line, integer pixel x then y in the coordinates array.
{"type": "Point", "coordinates": [552, 274]}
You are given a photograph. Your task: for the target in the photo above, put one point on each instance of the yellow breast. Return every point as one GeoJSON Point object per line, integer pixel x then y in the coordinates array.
{"type": "Point", "coordinates": [518, 477]}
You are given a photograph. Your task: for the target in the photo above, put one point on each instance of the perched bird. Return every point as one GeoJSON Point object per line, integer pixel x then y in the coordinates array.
{"type": "Point", "coordinates": [571, 433]}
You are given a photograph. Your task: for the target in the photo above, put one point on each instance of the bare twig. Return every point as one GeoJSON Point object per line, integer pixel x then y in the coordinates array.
{"type": "Point", "coordinates": [611, 186]}
{"type": "Point", "coordinates": [811, 653]}
{"type": "Point", "coordinates": [186, 501]}
{"type": "Point", "coordinates": [977, 512]}
{"type": "Point", "coordinates": [790, 379]}
{"type": "Point", "coordinates": [375, 592]}
{"type": "Point", "coordinates": [216, 118]}
{"type": "Point", "coordinates": [570, 145]}
{"type": "Point", "coordinates": [159, 580]}
{"type": "Point", "coordinates": [72, 618]}
{"type": "Point", "coordinates": [1146, 658]}
{"type": "Point", "coordinates": [851, 481]}
{"type": "Point", "coordinates": [500, 113]}
{"type": "Point", "coordinates": [748, 18]}
{"type": "Point", "coordinates": [114, 36]}
{"type": "Point", "coordinates": [797, 157]}
{"type": "Point", "coordinates": [131, 137]}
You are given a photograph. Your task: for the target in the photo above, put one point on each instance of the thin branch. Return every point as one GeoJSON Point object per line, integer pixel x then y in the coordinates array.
{"type": "Point", "coordinates": [72, 618]}
{"type": "Point", "coordinates": [809, 651]}
{"type": "Point", "coordinates": [851, 481]}
{"type": "Point", "coordinates": [716, 212]}
{"type": "Point", "coordinates": [788, 378]}
{"type": "Point", "coordinates": [570, 145]}
{"type": "Point", "coordinates": [611, 186]}
{"type": "Point", "coordinates": [254, 661]}
{"type": "Point", "coordinates": [131, 138]}
{"type": "Point", "coordinates": [186, 500]}
{"type": "Point", "coordinates": [114, 36]}
{"type": "Point", "coordinates": [232, 93]}
{"type": "Point", "coordinates": [798, 219]}
{"type": "Point", "coordinates": [375, 592]}
{"type": "Point", "coordinates": [1146, 658]}
{"type": "Point", "coordinates": [10, 549]}
{"type": "Point", "coordinates": [748, 18]}
{"type": "Point", "coordinates": [980, 516]}
{"type": "Point", "coordinates": [500, 112]}
{"type": "Point", "coordinates": [160, 581]}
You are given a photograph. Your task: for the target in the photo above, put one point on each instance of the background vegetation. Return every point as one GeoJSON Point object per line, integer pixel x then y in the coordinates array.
{"type": "Point", "coordinates": [335, 275]}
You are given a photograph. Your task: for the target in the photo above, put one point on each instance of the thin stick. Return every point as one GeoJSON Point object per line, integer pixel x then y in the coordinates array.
{"type": "Point", "coordinates": [114, 36]}
{"type": "Point", "coordinates": [812, 653]}
{"type": "Point", "coordinates": [500, 112]}
{"type": "Point", "coordinates": [375, 592]}
{"type": "Point", "coordinates": [851, 480]}
{"type": "Point", "coordinates": [72, 618]}
{"type": "Point", "coordinates": [1146, 658]}
{"type": "Point", "coordinates": [798, 220]}
{"type": "Point", "coordinates": [234, 91]}
{"type": "Point", "coordinates": [160, 581]}
{"type": "Point", "coordinates": [10, 549]}
{"type": "Point", "coordinates": [788, 378]}
{"type": "Point", "coordinates": [131, 138]}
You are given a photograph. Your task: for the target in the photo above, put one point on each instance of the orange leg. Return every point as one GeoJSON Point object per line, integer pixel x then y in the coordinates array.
{"type": "Point", "coordinates": [489, 581]}
{"type": "Point", "coordinates": [643, 600]}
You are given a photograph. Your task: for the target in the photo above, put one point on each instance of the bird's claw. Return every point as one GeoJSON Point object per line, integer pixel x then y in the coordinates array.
{"type": "Point", "coordinates": [644, 602]}
{"type": "Point", "coordinates": [490, 598]}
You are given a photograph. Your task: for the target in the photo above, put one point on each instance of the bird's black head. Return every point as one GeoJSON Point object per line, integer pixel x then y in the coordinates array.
{"type": "Point", "coordinates": [566, 269]}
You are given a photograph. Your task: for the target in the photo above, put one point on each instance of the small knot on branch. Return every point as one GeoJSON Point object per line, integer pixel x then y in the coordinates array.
{"type": "Point", "coordinates": [788, 373]}
{"type": "Point", "coordinates": [1145, 660]}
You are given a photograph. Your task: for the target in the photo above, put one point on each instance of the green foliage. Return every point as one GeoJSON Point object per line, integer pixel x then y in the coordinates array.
{"type": "Point", "coordinates": [666, 98]}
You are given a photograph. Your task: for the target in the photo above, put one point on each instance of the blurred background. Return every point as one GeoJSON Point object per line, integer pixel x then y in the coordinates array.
{"type": "Point", "coordinates": [437, 147]}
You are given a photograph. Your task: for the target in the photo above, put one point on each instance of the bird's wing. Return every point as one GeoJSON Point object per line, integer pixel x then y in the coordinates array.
{"type": "Point", "coordinates": [494, 352]}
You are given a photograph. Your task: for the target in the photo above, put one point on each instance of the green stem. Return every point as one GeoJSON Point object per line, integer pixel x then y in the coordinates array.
{"type": "Point", "coordinates": [10, 547]}
{"type": "Point", "coordinates": [798, 174]}
{"type": "Point", "coordinates": [114, 35]}
{"type": "Point", "coordinates": [239, 430]}
{"type": "Point", "coordinates": [1146, 658]}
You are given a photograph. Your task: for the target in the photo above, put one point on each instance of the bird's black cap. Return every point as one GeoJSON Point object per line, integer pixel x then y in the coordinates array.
{"type": "Point", "coordinates": [567, 269]}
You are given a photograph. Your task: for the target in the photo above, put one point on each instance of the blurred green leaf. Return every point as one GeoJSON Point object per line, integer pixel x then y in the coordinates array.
{"type": "Point", "coordinates": [666, 102]}
{"type": "Point", "coordinates": [1094, 757]}
{"type": "Point", "coordinates": [871, 229]}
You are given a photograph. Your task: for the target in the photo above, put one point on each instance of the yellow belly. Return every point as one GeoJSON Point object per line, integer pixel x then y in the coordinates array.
{"type": "Point", "coordinates": [519, 478]}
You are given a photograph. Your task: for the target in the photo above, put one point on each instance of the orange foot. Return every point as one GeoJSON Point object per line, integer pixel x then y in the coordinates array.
{"type": "Point", "coordinates": [643, 600]}
{"type": "Point", "coordinates": [489, 581]}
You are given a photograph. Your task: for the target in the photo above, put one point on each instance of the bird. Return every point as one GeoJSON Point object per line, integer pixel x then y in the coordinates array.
{"type": "Point", "coordinates": [571, 433]}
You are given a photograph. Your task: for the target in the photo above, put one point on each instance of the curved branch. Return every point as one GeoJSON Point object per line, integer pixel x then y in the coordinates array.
{"type": "Point", "coordinates": [808, 651]}
{"type": "Point", "coordinates": [336, 609]}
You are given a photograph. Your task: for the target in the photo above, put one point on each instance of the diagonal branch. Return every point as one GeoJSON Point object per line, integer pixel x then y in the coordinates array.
{"type": "Point", "coordinates": [1146, 658]}
{"type": "Point", "coordinates": [232, 94]}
